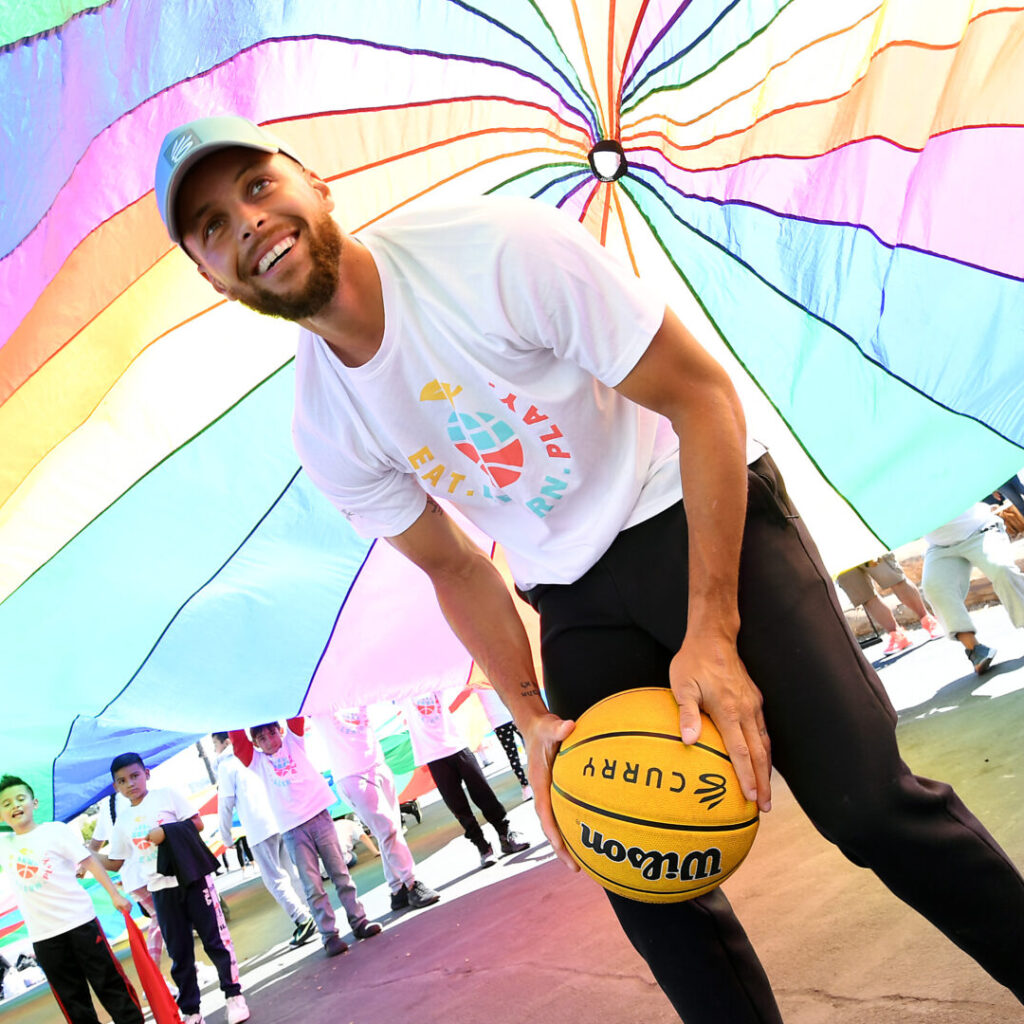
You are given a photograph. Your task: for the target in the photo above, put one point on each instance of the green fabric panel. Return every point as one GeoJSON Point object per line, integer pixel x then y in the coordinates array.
{"type": "Point", "coordinates": [22, 18]}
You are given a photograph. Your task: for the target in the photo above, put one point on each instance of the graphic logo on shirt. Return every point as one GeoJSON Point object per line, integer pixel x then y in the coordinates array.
{"type": "Point", "coordinates": [284, 769]}
{"type": "Point", "coordinates": [32, 874]}
{"type": "Point", "coordinates": [495, 449]}
{"type": "Point", "coordinates": [351, 722]}
{"type": "Point", "coordinates": [428, 705]}
{"type": "Point", "coordinates": [491, 443]}
{"type": "Point", "coordinates": [139, 838]}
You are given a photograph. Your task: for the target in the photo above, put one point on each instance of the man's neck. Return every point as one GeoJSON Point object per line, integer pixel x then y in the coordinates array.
{"type": "Point", "coordinates": [23, 830]}
{"type": "Point", "coordinates": [353, 323]}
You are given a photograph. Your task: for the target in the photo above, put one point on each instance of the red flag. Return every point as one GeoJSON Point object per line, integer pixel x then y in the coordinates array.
{"type": "Point", "coordinates": [158, 995]}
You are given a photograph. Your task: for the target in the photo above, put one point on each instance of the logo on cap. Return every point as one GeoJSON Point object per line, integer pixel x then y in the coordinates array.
{"type": "Point", "coordinates": [182, 145]}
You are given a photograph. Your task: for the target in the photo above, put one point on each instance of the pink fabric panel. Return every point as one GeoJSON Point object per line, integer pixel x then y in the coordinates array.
{"type": "Point", "coordinates": [957, 198]}
{"type": "Point", "coordinates": [391, 594]}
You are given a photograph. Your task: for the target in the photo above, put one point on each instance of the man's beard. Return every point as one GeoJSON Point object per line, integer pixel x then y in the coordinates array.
{"type": "Point", "coordinates": [325, 254]}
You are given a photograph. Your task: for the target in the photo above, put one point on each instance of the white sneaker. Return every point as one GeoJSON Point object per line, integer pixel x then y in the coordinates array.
{"type": "Point", "coordinates": [238, 1010]}
{"type": "Point", "coordinates": [193, 1018]}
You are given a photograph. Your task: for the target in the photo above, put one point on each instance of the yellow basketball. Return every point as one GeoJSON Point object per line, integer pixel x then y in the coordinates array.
{"type": "Point", "coordinates": [642, 813]}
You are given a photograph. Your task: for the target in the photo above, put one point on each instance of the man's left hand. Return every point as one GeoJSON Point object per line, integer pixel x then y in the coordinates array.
{"type": "Point", "coordinates": [708, 674]}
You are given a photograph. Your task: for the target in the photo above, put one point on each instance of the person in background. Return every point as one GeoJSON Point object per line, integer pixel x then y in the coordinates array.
{"type": "Point", "coordinates": [300, 796]}
{"type": "Point", "coordinates": [130, 874]}
{"type": "Point", "coordinates": [363, 778]}
{"type": "Point", "coordinates": [138, 833]}
{"type": "Point", "coordinates": [504, 728]}
{"type": "Point", "coordinates": [41, 861]}
{"type": "Point", "coordinates": [437, 743]}
{"type": "Point", "coordinates": [241, 790]}
{"type": "Point", "coordinates": [858, 584]}
{"type": "Point", "coordinates": [976, 538]}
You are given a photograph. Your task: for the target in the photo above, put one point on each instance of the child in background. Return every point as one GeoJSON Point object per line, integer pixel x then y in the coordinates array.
{"type": "Point", "coordinates": [179, 908]}
{"type": "Point", "coordinates": [130, 879]}
{"type": "Point", "coordinates": [363, 778]}
{"type": "Point", "coordinates": [300, 796]}
{"type": "Point", "coordinates": [41, 862]}
{"type": "Point", "coordinates": [438, 743]}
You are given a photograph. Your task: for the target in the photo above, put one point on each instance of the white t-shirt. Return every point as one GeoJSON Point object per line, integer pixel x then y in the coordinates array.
{"type": "Point", "coordinates": [128, 840]}
{"type": "Point", "coordinates": [351, 743]}
{"type": "Point", "coordinates": [295, 789]}
{"type": "Point", "coordinates": [962, 526]}
{"type": "Point", "coordinates": [499, 315]}
{"type": "Point", "coordinates": [497, 713]}
{"type": "Point", "coordinates": [40, 866]}
{"type": "Point", "coordinates": [104, 826]}
{"type": "Point", "coordinates": [432, 729]}
{"type": "Point", "coordinates": [242, 790]}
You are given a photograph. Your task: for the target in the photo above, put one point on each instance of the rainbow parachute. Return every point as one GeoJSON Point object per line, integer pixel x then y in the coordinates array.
{"type": "Point", "coordinates": [827, 192]}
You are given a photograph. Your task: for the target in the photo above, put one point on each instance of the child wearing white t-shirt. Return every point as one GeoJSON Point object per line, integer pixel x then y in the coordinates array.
{"type": "Point", "coordinates": [41, 862]}
{"type": "Point", "coordinates": [299, 796]}
{"type": "Point", "coordinates": [130, 878]}
{"type": "Point", "coordinates": [362, 777]}
{"type": "Point", "coordinates": [437, 743]}
{"type": "Point", "coordinates": [137, 835]}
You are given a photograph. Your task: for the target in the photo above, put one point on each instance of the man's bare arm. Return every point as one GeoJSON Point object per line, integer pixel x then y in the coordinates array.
{"type": "Point", "coordinates": [478, 606]}
{"type": "Point", "coordinates": [678, 378]}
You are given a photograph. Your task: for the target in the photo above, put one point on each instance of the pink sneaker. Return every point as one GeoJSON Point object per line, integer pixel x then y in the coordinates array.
{"type": "Point", "coordinates": [898, 641]}
{"type": "Point", "coordinates": [931, 624]}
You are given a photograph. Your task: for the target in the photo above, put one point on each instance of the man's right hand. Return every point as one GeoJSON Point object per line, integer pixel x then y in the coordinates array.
{"type": "Point", "coordinates": [542, 738]}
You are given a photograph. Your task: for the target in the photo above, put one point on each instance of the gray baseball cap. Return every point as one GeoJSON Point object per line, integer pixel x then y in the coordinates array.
{"type": "Point", "coordinates": [186, 145]}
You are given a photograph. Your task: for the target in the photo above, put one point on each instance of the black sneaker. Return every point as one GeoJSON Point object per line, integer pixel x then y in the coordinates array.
{"type": "Point", "coordinates": [412, 807]}
{"type": "Point", "coordinates": [420, 895]}
{"type": "Point", "coordinates": [303, 932]}
{"type": "Point", "coordinates": [366, 929]}
{"type": "Point", "coordinates": [513, 842]}
{"type": "Point", "coordinates": [400, 899]}
{"type": "Point", "coordinates": [981, 657]}
{"type": "Point", "coordinates": [335, 945]}
{"type": "Point", "coordinates": [487, 856]}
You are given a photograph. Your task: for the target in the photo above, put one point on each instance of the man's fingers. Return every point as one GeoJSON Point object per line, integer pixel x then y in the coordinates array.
{"type": "Point", "coordinates": [749, 751]}
{"type": "Point", "coordinates": [689, 720]}
{"type": "Point", "coordinates": [550, 736]}
{"type": "Point", "coordinates": [542, 807]}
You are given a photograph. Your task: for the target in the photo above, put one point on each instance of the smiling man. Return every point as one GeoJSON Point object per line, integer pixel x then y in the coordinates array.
{"type": "Point", "coordinates": [492, 354]}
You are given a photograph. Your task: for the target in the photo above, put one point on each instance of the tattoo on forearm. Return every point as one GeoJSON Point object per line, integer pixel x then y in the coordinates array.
{"type": "Point", "coordinates": [528, 689]}
{"type": "Point", "coordinates": [432, 506]}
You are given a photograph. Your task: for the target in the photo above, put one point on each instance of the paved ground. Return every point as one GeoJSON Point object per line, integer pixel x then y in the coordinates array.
{"type": "Point", "coordinates": [527, 941]}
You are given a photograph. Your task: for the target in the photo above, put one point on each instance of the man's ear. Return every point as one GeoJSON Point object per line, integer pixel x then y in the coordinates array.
{"type": "Point", "coordinates": [216, 285]}
{"type": "Point", "coordinates": [320, 186]}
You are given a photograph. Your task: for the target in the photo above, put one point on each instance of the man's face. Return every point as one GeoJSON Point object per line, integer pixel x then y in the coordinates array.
{"type": "Point", "coordinates": [267, 739]}
{"type": "Point", "coordinates": [132, 781]}
{"type": "Point", "coordinates": [17, 807]}
{"type": "Point", "coordinates": [259, 227]}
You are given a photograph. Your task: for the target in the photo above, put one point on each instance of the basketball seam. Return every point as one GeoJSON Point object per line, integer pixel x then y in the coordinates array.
{"type": "Point", "coordinates": [646, 735]}
{"type": "Point", "coordinates": [654, 824]}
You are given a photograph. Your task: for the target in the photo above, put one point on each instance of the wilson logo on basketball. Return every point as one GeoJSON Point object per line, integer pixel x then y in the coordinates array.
{"type": "Point", "coordinates": [654, 865]}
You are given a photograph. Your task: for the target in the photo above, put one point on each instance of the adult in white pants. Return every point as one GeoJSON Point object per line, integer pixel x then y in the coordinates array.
{"type": "Point", "coordinates": [241, 789]}
{"type": "Point", "coordinates": [976, 538]}
{"type": "Point", "coordinates": [364, 779]}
